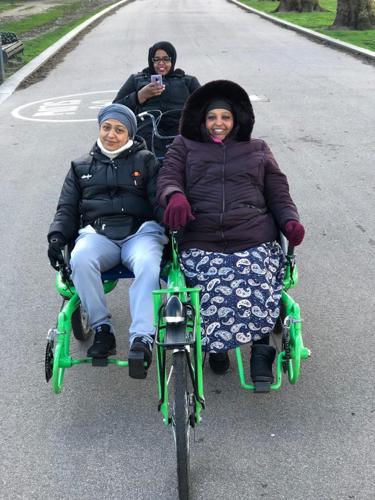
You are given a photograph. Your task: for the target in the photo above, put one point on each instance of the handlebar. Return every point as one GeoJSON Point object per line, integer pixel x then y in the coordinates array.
{"type": "Point", "coordinates": [156, 116]}
{"type": "Point", "coordinates": [155, 120]}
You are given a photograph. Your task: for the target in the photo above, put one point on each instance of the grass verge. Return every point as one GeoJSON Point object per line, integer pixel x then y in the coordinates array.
{"type": "Point", "coordinates": [318, 21]}
{"type": "Point", "coordinates": [52, 16]}
{"type": "Point", "coordinates": [36, 45]}
{"type": "Point", "coordinates": [40, 31]}
{"type": "Point", "coordinates": [7, 5]}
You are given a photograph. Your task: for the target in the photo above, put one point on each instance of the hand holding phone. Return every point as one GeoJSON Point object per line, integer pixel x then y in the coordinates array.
{"type": "Point", "coordinates": [153, 89]}
{"type": "Point", "coordinates": [157, 79]}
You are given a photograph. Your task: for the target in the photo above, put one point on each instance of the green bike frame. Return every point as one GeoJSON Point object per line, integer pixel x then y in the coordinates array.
{"type": "Point", "coordinates": [288, 360]}
{"type": "Point", "coordinates": [176, 285]}
{"type": "Point", "coordinates": [61, 335]}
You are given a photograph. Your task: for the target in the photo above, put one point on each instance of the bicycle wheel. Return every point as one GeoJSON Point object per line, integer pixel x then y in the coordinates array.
{"type": "Point", "coordinates": [80, 325]}
{"type": "Point", "coordinates": [181, 424]}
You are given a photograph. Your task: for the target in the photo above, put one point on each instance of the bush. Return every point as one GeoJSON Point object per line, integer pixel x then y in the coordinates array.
{"type": "Point", "coordinates": [8, 37]}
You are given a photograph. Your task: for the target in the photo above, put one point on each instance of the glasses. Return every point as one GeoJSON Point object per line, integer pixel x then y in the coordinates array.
{"type": "Point", "coordinates": [165, 59]}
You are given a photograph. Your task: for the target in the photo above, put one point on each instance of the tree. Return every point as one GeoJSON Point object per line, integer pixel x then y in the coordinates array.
{"type": "Point", "coordinates": [355, 14]}
{"type": "Point", "coordinates": [299, 6]}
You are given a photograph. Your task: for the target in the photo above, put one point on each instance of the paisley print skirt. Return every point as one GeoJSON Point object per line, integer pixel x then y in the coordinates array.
{"type": "Point", "coordinates": [240, 293]}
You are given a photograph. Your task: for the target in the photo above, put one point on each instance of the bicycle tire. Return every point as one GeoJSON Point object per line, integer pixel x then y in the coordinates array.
{"type": "Point", "coordinates": [180, 421]}
{"type": "Point", "coordinates": [278, 328]}
{"type": "Point", "coordinates": [80, 326]}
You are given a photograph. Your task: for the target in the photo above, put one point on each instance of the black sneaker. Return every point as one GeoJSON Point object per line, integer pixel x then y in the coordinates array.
{"type": "Point", "coordinates": [104, 343]}
{"type": "Point", "coordinates": [139, 354]}
{"type": "Point", "coordinates": [219, 362]}
{"type": "Point", "coordinates": [262, 358]}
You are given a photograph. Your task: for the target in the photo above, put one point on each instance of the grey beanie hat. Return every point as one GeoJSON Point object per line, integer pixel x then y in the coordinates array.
{"type": "Point", "coordinates": [121, 113]}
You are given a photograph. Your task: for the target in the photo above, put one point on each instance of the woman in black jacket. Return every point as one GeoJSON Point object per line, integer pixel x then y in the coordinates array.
{"type": "Point", "coordinates": [107, 207]}
{"type": "Point", "coordinates": [140, 94]}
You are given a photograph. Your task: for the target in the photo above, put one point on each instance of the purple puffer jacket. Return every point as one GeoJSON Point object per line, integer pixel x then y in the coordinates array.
{"type": "Point", "coordinates": [239, 196]}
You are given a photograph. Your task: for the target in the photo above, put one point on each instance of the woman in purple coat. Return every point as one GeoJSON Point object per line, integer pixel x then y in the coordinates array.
{"type": "Point", "coordinates": [226, 190]}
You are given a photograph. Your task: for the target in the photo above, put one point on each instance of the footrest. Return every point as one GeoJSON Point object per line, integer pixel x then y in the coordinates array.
{"type": "Point", "coordinates": [136, 364]}
{"type": "Point", "coordinates": [99, 361]}
{"type": "Point", "coordinates": [262, 385]}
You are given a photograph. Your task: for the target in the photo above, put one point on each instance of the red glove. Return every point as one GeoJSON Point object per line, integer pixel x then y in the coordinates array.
{"type": "Point", "coordinates": [295, 232]}
{"type": "Point", "coordinates": [178, 212]}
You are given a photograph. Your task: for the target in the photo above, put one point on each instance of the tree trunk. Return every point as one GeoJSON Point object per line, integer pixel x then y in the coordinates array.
{"type": "Point", "coordinates": [299, 6]}
{"type": "Point", "coordinates": [355, 14]}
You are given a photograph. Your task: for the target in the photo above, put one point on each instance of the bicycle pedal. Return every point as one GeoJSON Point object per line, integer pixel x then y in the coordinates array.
{"type": "Point", "coordinates": [136, 363]}
{"type": "Point", "coordinates": [262, 386]}
{"type": "Point", "coordinates": [99, 361]}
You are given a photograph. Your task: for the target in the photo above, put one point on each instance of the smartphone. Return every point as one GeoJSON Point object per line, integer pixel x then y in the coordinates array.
{"type": "Point", "coordinates": [157, 79]}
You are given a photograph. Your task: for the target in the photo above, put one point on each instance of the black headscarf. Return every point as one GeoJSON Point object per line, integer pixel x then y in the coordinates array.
{"type": "Point", "coordinates": [219, 104]}
{"type": "Point", "coordinates": [169, 49]}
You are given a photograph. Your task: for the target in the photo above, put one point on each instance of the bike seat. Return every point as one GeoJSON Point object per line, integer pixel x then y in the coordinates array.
{"type": "Point", "coordinates": [116, 273]}
{"type": "Point", "coordinates": [120, 272]}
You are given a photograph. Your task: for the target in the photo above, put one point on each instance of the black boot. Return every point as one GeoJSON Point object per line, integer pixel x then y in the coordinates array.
{"type": "Point", "coordinates": [262, 357]}
{"type": "Point", "coordinates": [104, 343]}
{"type": "Point", "coordinates": [139, 354]}
{"type": "Point", "coordinates": [219, 362]}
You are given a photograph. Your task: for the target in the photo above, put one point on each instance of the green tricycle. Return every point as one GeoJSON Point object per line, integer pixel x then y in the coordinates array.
{"type": "Point", "coordinates": [179, 360]}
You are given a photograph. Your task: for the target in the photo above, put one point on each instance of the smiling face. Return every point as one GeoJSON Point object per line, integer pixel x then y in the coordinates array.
{"type": "Point", "coordinates": [219, 123]}
{"type": "Point", "coordinates": [162, 62]}
{"type": "Point", "coordinates": [113, 134]}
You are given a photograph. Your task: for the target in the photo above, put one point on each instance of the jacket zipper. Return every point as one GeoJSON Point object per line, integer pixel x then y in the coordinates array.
{"type": "Point", "coordinates": [114, 169]}
{"type": "Point", "coordinates": [223, 191]}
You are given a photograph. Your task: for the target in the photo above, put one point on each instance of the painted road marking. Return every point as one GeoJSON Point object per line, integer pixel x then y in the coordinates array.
{"type": "Point", "coordinates": [67, 108]}
{"type": "Point", "coordinates": [75, 107]}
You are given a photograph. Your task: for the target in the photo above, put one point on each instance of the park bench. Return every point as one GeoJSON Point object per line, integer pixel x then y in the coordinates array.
{"type": "Point", "coordinates": [11, 49]}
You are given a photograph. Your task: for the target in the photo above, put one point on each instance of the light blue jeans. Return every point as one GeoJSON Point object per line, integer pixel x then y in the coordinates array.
{"type": "Point", "coordinates": [141, 253]}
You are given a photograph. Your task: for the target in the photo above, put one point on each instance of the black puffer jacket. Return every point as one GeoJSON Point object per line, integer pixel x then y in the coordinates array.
{"type": "Point", "coordinates": [238, 194]}
{"type": "Point", "coordinates": [178, 87]}
{"type": "Point", "coordinates": [96, 186]}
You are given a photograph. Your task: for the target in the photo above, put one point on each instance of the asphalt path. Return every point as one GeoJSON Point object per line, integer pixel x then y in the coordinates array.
{"type": "Point", "coordinates": [103, 438]}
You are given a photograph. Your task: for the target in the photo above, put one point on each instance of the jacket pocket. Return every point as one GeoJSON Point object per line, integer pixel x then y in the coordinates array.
{"type": "Point", "coordinates": [117, 227]}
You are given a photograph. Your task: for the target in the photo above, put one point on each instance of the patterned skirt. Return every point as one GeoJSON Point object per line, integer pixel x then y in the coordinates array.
{"type": "Point", "coordinates": [240, 293]}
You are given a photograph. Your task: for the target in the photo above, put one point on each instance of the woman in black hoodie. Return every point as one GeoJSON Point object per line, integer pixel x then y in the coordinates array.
{"type": "Point", "coordinates": [140, 94]}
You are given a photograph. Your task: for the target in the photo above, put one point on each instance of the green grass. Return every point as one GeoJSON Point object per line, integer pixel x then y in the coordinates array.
{"type": "Point", "coordinates": [44, 21]}
{"type": "Point", "coordinates": [35, 46]}
{"type": "Point", "coordinates": [318, 21]}
{"type": "Point", "coordinates": [7, 6]}
{"type": "Point", "coordinates": [39, 20]}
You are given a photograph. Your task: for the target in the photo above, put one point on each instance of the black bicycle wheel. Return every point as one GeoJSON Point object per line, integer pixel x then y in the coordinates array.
{"type": "Point", "coordinates": [278, 328]}
{"type": "Point", "coordinates": [80, 325]}
{"type": "Point", "coordinates": [180, 422]}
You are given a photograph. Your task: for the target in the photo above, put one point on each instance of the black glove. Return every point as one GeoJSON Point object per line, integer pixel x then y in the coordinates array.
{"type": "Point", "coordinates": [56, 243]}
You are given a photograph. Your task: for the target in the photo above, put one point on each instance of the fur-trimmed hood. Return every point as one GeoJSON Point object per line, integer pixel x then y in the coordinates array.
{"type": "Point", "coordinates": [194, 111]}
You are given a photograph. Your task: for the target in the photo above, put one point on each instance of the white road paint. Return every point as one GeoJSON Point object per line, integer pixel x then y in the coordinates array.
{"type": "Point", "coordinates": [60, 109]}
{"type": "Point", "coordinates": [74, 107]}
